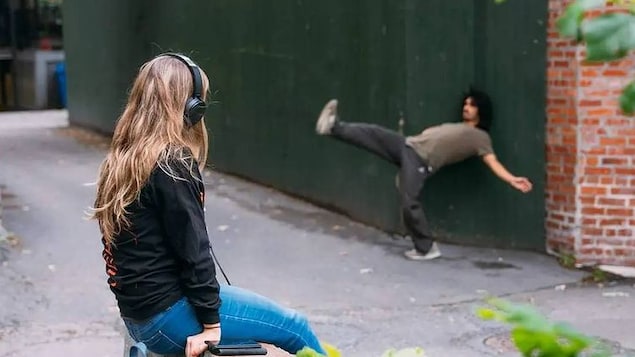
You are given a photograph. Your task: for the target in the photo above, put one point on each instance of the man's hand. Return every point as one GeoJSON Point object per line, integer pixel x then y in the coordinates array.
{"type": "Point", "coordinates": [521, 184]}
{"type": "Point", "coordinates": [196, 344]}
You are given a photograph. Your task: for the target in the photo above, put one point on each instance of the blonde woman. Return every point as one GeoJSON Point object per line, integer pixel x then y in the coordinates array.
{"type": "Point", "coordinates": [149, 206]}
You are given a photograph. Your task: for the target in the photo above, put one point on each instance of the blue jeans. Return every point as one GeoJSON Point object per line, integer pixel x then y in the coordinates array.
{"type": "Point", "coordinates": [244, 316]}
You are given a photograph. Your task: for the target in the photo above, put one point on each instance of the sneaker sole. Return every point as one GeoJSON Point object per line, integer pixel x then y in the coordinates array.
{"type": "Point", "coordinates": [325, 120]}
{"type": "Point", "coordinates": [423, 257]}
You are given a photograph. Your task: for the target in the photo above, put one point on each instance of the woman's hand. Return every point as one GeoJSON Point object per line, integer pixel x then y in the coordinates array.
{"type": "Point", "coordinates": [196, 344]}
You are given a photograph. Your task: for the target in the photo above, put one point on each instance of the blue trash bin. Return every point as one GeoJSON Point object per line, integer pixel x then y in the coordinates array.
{"type": "Point", "coordinates": [60, 76]}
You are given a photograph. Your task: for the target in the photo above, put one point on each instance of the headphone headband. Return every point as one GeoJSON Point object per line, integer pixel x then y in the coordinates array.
{"type": "Point", "coordinates": [196, 74]}
{"type": "Point", "coordinates": [195, 107]}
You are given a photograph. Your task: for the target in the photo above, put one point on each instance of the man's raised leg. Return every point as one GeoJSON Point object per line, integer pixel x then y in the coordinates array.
{"type": "Point", "coordinates": [383, 142]}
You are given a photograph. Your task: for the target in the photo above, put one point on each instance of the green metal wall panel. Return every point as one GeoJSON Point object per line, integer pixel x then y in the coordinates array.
{"type": "Point", "coordinates": [104, 46]}
{"type": "Point", "coordinates": [513, 70]}
{"type": "Point", "coordinates": [273, 64]}
{"type": "Point", "coordinates": [501, 49]}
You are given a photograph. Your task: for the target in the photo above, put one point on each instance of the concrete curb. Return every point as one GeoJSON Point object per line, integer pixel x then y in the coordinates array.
{"type": "Point", "coordinates": [52, 118]}
{"type": "Point", "coordinates": [4, 234]}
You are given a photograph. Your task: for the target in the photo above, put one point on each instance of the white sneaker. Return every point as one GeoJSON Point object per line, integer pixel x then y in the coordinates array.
{"type": "Point", "coordinates": [327, 118]}
{"type": "Point", "coordinates": [433, 253]}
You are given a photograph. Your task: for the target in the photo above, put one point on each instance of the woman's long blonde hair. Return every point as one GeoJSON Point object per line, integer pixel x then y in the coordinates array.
{"type": "Point", "coordinates": [150, 132]}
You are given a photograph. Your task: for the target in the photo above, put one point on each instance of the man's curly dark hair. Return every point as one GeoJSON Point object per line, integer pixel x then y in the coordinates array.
{"type": "Point", "coordinates": [484, 105]}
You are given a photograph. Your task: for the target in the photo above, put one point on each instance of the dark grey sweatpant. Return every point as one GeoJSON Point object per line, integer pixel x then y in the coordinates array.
{"type": "Point", "coordinates": [392, 147]}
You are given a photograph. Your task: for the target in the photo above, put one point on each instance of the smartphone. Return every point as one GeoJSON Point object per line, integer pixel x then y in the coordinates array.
{"type": "Point", "coordinates": [237, 349]}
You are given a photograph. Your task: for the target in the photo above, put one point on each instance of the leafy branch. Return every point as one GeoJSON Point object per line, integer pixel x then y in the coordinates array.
{"type": "Point", "coordinates": [534, 335]}
{"type": "Point", "coordinates": [609, 36]}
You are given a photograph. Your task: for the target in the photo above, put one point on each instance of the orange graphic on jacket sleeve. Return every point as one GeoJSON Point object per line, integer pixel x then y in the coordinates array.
{"type": "Point", "coordinates": [111, 268]}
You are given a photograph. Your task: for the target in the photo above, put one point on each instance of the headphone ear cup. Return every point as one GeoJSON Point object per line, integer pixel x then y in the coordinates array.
{"type": "Point", "coordinates": [194, 111]}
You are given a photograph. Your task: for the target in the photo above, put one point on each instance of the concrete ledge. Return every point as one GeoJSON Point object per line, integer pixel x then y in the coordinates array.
{"type": "Point", "coordinates": [272, 351]}
{"type": "Point", "coordinates": [4, 234]}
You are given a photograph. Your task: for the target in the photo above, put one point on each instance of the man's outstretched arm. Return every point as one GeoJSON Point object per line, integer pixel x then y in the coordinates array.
{"type": "Point", "coordinates": [520, 183]}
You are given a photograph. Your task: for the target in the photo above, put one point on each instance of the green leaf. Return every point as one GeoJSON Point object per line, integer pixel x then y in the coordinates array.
{"type": "Point", "coordinates": [486, 314]}
{"type": "Point", "coordinates": [331, 351]}
{"type": "Point", "coordinates": [525, 341]}
{"type": "Point", "coordinates": [308, 352]}
{"type": "Point", "coordinates": [609, 36]}
{"type": "Point", "coordinates": [527, 317]}
{"type": "Point", "coordinates": [627, 99]}
{"type": "Point", "coordinates": [533, 334]}
{"type": "Point", "coordinates": [569, 23]}
{"type": "Point", "coordinates": [566, 330]}
{"type": "Point", "coordinates": [406, 352]}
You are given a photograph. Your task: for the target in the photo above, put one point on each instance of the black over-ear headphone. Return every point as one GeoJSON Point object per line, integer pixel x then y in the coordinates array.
{"type": "Point", "coordinates": [195, 107]}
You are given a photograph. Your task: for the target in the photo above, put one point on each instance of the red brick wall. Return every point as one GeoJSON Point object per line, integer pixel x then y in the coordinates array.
{"type": "Point", "coordinates": [590, 155]}
{"type": "Point", "coordinates": [562, 122]}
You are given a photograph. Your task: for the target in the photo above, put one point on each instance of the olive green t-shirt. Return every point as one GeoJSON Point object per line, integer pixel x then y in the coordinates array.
{"type": "Point", "coordinates": [449, 143]}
